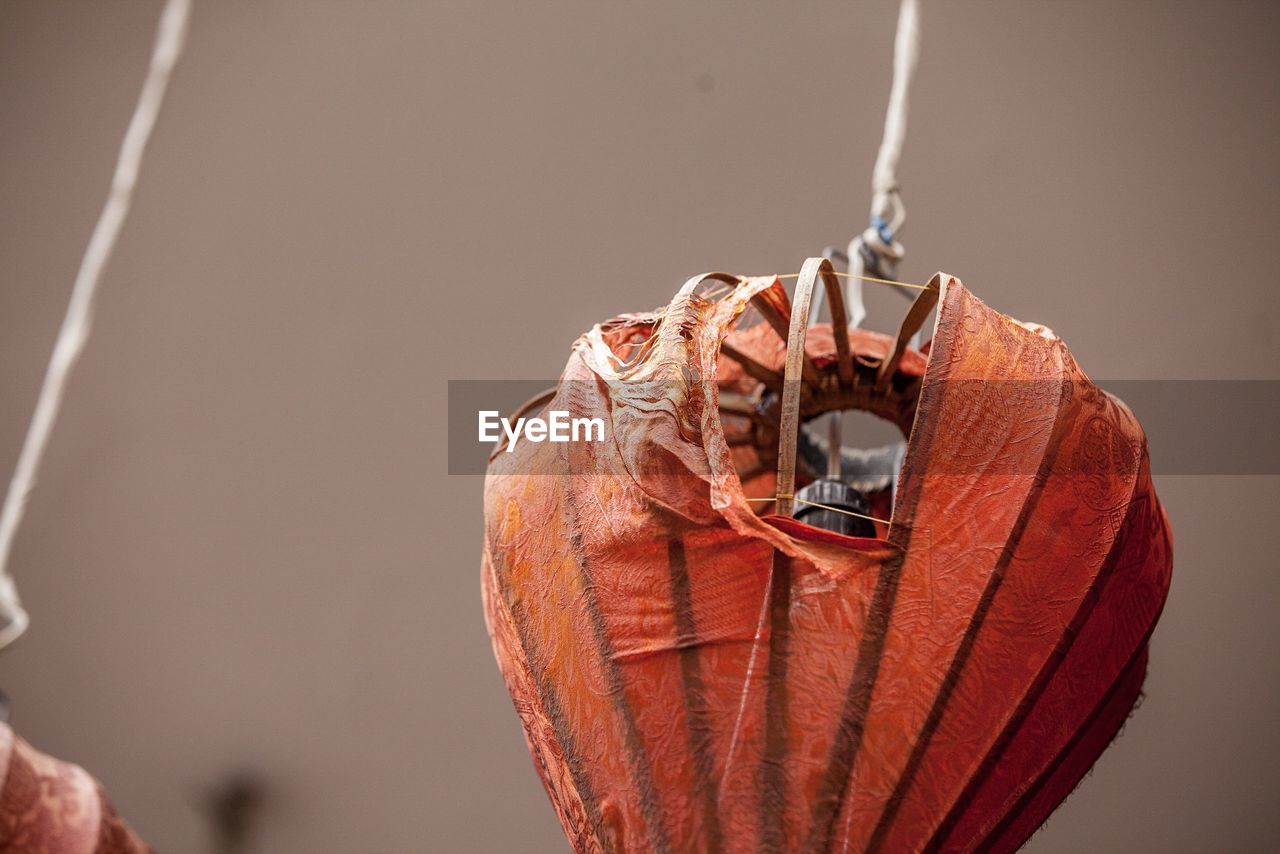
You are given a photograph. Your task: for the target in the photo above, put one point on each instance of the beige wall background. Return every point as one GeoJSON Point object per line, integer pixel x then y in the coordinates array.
{"type": "Point", "coordinates": [244, 552]}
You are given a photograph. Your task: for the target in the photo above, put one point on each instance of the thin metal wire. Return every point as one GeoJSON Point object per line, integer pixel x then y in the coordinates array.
{"type": "Point", "coordinates": [724, 289]}
{"type": "Point", "coordinates": [826, 507]}
{"type": "Point", "coordinates": [868, 279]}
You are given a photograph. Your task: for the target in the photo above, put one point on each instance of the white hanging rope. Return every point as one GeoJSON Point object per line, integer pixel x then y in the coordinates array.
{"type": "Point", "coordinates": [887, 211]}
{"type": "Point", "coordinates": [906, 50]}
{"type": "Point", "coordinates": [170, 35]}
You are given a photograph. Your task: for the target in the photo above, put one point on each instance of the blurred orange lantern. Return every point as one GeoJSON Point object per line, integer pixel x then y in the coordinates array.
{"type": "Point", "coordinates": [50, 805]}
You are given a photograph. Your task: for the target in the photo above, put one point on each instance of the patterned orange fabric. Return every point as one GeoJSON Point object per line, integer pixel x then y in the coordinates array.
{"type": "Point", "coordinates": [52, 807]}
{"type": "Point", "coordinates": [694, 677]}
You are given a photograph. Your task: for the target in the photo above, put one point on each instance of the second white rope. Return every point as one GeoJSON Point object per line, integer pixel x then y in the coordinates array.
{"type": "Point", "coordinates": [170, 35]}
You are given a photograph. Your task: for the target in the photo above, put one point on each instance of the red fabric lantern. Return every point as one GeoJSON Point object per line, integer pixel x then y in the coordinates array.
{"type": "Point", "coordinates": [47, 805]}
{"type": "Point", "coordinates": [692, 676]}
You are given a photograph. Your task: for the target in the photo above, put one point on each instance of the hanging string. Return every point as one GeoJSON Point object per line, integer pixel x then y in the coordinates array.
{"type": "Point", "coordinates": [877, 249]}
{"type": "Point", "coordinates": [887, 211]}
{"type": "Point", "coordinates": [170, 35]}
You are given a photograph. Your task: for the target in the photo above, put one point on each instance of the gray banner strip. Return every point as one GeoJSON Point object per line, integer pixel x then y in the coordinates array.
{"type": "Point", "coordinates": [1193, 427]}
